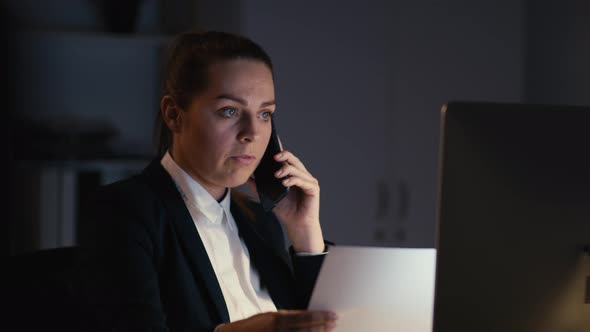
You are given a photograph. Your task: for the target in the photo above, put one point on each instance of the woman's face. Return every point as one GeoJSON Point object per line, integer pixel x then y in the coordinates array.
{"type": "Point", "coordinates": [225, 130]}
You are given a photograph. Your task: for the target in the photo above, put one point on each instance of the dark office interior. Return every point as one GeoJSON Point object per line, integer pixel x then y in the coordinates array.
{"type": "Point", "coordinates": [360, 86]}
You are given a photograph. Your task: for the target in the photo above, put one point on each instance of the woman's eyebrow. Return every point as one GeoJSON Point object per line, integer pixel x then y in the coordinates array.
{"type": "Point", "coordinates": [268, 103]}
{"type": "Point", "coordinates": [243, 101]}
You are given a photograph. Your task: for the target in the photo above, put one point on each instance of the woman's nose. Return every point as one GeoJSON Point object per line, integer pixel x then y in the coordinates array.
{"type": "Point", "coordinates": [249, 130]}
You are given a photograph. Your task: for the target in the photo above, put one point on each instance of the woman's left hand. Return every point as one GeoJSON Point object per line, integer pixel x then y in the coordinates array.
{"type": "Point", "coordinates": [300, 209]}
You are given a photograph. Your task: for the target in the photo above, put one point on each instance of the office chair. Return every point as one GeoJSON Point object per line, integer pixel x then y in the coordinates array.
{"type": "Point", "coordinates": [39, 290]}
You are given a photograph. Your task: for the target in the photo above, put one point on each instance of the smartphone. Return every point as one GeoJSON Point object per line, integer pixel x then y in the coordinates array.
{"type": "Point", "coordinates": [270, 189]}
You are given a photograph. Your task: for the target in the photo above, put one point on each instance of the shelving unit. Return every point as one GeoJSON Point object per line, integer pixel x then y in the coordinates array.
{"type": "Point", "coordinates": [87, 101]}
{"type": "Point", "coordinates": [50, 193]}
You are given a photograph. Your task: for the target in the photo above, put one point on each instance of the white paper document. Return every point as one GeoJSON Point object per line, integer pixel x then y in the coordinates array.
{"type": "Point", "coordinates": [377, 289]}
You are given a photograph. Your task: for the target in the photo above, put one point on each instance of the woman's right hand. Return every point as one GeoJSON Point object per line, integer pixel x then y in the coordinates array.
{"type": "Point", "coordinates": [284, 320]}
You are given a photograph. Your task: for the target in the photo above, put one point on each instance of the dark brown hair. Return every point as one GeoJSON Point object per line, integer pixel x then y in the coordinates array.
{"type": "Point", "coordinates": [186, 71]}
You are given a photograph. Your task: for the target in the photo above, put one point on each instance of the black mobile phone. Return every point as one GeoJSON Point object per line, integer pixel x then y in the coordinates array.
{"type": "Point", "coordinates": [270, 189]}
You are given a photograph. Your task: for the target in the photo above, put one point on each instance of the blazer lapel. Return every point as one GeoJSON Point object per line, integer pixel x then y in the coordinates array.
{"type": "Point", "coordinates": [272, 263]}
{"type": "Point", "coordinates": [188, 235]}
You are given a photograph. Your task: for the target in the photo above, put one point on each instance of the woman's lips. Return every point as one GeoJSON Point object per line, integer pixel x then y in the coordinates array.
{"type": "Point", "coordinates": [244, 159]}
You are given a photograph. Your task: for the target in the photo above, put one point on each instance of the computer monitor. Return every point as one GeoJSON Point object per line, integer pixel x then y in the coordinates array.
{"type": "Point", "coordinates": [513, 219]}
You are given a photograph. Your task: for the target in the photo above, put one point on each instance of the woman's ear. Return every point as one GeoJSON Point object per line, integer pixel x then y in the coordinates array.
{"type": "Point", "coordinates": [171, 113]}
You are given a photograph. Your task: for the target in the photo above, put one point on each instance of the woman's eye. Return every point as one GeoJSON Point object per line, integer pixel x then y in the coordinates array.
{"type": "Point", "coordinates": [266, 115]}
{"type": "Point", "coordinates": [229, 112]}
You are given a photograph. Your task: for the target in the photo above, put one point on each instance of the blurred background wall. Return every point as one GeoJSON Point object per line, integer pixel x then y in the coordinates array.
{"type": "Point", "coordinates": [359, 85]}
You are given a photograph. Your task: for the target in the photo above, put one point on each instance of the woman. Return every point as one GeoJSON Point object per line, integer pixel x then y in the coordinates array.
{"type": "Point", "coordinates": [174, 248]}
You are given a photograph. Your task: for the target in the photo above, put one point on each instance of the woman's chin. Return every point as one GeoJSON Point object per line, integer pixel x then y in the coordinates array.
{"type": "Point", "coordinates": [237, 180]}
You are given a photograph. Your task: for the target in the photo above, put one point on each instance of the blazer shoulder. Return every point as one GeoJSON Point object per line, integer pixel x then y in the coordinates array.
{"type": "Point", "coordinates": [130, 194]}
{"type": "Point", "coordinates": [126, 190]}
{"type": "Point", "coordinates": [144, 186]}
{"type": "Point", "coordinates": [121, 206]}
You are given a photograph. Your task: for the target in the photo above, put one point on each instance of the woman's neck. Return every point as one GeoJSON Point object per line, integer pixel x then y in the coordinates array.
{"type": "Point", "coordinates": [217, 192]}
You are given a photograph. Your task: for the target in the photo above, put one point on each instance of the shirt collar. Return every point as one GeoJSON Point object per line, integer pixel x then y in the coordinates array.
{"type": "Point", "coordinates": [193, 192]}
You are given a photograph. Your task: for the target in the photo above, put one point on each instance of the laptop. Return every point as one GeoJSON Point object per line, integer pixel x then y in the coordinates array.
{"type": "Point", "coordinates": [513, 233]}
{"type": "Point", "coordinates": [514, 219]}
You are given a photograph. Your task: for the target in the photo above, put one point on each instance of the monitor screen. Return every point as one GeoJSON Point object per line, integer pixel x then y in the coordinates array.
{"type": "Point", "coordinates": [513, 219]}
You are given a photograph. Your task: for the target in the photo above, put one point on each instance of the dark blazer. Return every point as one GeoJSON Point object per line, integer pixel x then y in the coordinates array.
{"type": "Point", "coordinates": [146, 268]}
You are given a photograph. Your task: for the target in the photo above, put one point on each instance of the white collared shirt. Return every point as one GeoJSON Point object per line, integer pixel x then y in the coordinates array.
{"type": "Point", "coordinates": [238, 279]}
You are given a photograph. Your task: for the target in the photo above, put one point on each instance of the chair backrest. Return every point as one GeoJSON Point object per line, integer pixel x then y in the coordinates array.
{"type": "Point", "coordinates": [39, 290]}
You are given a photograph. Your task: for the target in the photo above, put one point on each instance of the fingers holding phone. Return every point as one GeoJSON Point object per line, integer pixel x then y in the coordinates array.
{"type": "Point", "coordinates": [300, 209]}
{"type": "Point", "coordinates": [293, 172]}
{"type": "Point", "coordinates": [285, 186]}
